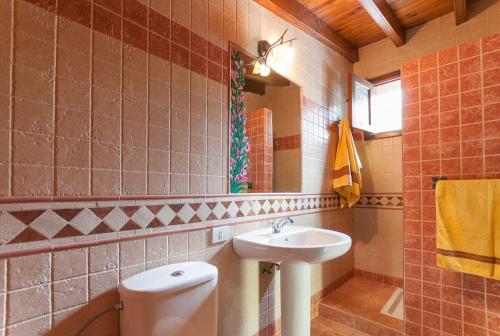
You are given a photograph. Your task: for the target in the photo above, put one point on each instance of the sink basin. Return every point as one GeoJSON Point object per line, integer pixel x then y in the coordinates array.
{"type": "Point", "coordinates": [295, 248]}
{"type": "Point", "coordinates": [292, 244]}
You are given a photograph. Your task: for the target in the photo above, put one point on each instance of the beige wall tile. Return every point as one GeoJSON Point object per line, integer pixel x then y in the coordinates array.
{"type": "Point", "coordinates": [69, 293]}
{"type": "Point", "coordinates": [134, 183]}
{"type": "Point", "coordinates": [34, 182]}
{"type": "Point", "coordinates": [18, 310]}
{"type": "Point", "coordinates": [382, 165]}
{"type": "Point", "coordinates": [197, 240]}
{"type": "Point", "coordinates": [103, 284]}
{"type": "Point", "coordinates": [34, 21]}
{"type": "Point", "coordinates": [105, 156]}
{"type": "Point", "coordinates": [72, 181]}
{"type": "Point", "coordinates": [29, 271]}
{"type": "Point", "coordinates": [127, 272]}
{"type": "Point", "coordinates": [31, 148]}
{"type": "Point", "coordinates": [73, 95]}
{"type": "Point", "coordinates": [158, 183]}
{"type": "Point", "coordinates": [378, 241]}
{"type": "Point", "coordinates": [103, 257]}
{"type": "Point", "coordinates": [38, 326]}
{"type": "Point", "coordinates": [132, 253]}
{"type": "Point", "coordinates": [156, 248]}
{"type": "Point", "coordinates": [4, 179]}
{"type": "Point", "coordinates": [179, 184]}
{"type": "Point", "coordinates": [69, 263]}
{"type": "Point", "coordinates": [178, 245]}
{"type": "Point", "coordinates": [3, 276]}
{"type": "Point", "coordinates": [105, 182]}
{"type": "Point", "coordinates": [24, 119]}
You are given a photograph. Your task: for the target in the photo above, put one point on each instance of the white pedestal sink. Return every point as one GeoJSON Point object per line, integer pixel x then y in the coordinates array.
{"type": "Point", "coordinates": [294, 248]}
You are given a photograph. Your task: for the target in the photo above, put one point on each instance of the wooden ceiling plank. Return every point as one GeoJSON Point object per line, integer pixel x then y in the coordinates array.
{"type": "Point", "coordinates": [383, 15]}
{"type": "Point", "coordinates": [460, 11]}
{"type": "Point", "coordinates": [298, 15]}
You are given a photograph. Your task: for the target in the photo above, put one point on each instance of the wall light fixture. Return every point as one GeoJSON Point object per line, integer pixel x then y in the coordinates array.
{"type": "Point", "coordinates": [278, 55]}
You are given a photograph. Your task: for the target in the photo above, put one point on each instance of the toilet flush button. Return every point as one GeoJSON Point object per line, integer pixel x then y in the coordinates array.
{"type": "Point", "coordinates": [177, 273]}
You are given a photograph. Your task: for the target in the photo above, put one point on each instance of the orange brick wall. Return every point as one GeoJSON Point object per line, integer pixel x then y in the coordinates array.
{"type": "Point", "coordinates": [260, 134]}
{"type": "Point", "coordinates": [452, 129]}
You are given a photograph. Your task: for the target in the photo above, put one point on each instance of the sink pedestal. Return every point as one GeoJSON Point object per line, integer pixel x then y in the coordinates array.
{"type": "Point", "coordinates": [295, 299]}
{"type": "Point", "coordinates": [295, 248]}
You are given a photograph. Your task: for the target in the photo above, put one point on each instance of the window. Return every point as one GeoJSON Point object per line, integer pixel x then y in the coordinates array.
{"type": "Point", "coordinates": [386, 107]}
{"type": "Point", "coordinates": [376, 105]}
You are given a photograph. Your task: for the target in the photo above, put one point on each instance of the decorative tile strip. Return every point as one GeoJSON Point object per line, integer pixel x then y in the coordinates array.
{"type": "Point", "coordinates": [287, 142]}
{"type": "Point", "coordinates": [22, 223]}
{"type": "Point", "coordinates": [387, 201]}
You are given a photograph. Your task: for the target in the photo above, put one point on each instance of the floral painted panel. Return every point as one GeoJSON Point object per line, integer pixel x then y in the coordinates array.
{"type": "Point", "coordinates": [239, 145]}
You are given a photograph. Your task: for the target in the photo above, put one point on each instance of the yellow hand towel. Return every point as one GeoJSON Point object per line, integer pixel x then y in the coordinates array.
{"type": "Point", "coordinates": [346, 170]}
{"type": "Point", "coordinates": [468, 226]}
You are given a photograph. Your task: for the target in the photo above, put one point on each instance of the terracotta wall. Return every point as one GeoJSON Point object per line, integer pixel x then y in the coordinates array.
{"type": "Point", "coordinates": [451, 128]}
{"type": "Point", "coordinates": [378, 228]}
{"type": "Point", "coordinates": [123, 97]}
{"type": "Point", "coordinates": [383, 56]}
{"type": "Point", "coordinates": [260, 157]}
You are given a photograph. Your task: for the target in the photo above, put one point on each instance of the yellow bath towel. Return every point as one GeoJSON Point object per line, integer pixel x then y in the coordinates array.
{"type": "Point", "coordinates": [468, 226]}
{"type": "Point", "coordinates": [347, 168]}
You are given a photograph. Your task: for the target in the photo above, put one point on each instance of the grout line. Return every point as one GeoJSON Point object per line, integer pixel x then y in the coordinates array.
{"type": "Point", "coordinates": [457, 50]}
{"type": "Point", "coordinates": [55, 102]}
{"type": "Point", "coordinates": [91, 98]}
{"type": "Point", "coordinates": [148, 55]}
{"type": "Point", "coordinates": [51, 292]}
{"type": "Point", "coordinates": [440, 146]}
{"type": "Point", "coordinates": [420, 193]}
{"type": "Point", "coordinates": [10, 177]}
{"type": "Point", "coordinates": [120, 179]}
{"type": "Point", "coordinates": [459, 112]}
{"type": "Point", "coordinates": [5, 280]}
{"type": "Point", "coordinates": [481, 65]}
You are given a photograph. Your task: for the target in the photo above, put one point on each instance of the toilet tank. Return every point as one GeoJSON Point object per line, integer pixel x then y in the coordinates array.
{"type": "Point", "coordinates": [173, 300]}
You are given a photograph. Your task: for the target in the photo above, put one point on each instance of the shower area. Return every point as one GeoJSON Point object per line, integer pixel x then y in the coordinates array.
{"type": "Point", "coordinates": [371, 302]}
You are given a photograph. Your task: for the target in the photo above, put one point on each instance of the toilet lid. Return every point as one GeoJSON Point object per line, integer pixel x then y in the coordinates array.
{"type": "Point", "coordinates": [167, 279]}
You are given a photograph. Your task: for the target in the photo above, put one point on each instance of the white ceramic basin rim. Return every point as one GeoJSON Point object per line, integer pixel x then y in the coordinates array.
{"type": "Point", "coordinates": [292, 244]}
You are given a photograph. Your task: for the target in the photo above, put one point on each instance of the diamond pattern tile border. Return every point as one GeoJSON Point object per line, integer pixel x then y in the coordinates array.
{"type": "Point", "coordinates": [392, 201]}
{"type": "Point", "coordinates": [77, 219]}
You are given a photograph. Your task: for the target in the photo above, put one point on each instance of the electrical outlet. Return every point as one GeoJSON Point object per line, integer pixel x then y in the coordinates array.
{"type": "Point", "coordinates": [220, 234]}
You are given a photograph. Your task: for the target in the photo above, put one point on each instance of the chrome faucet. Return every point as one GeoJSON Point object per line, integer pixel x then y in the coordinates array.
{"type": "Point", "coordinates": [278, 225]}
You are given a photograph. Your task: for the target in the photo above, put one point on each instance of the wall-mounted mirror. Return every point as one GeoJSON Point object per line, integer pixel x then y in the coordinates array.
{"type": "Point", "coordinates": [265, 129]}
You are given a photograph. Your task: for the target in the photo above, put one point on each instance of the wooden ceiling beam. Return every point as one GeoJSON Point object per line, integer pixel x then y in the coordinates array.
{"type": "Point", "coordinates": [384, 17]}
{"type": "Point", "coordinates": [301, 17]}
{"type": "Point", "coordinates": [460, 11]}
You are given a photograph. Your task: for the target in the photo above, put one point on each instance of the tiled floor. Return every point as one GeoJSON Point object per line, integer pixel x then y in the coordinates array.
{"type": "Point", "coordinates": [356, 304]}
{"type": "Point", "coordinates": [322, 326]}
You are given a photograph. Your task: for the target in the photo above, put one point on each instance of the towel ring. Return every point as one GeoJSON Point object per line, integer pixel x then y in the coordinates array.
{"type": "Point", "coordinates": [436, 179]}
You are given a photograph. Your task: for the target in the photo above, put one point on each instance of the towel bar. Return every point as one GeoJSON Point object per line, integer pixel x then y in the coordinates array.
{"type": "Point", "coordinates": [435, 180]}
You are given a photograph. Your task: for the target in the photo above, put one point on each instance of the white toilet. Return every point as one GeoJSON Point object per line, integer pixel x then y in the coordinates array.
{"type": "Point", "coordinates": [173, 300]}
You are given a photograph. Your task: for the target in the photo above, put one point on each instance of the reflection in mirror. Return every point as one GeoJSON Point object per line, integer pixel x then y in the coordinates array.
{"type": "Point", "coordinates": [265, 129]}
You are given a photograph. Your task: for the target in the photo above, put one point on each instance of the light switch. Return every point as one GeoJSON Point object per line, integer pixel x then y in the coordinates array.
{"type": "Point", "coordinates": [220, 234]}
